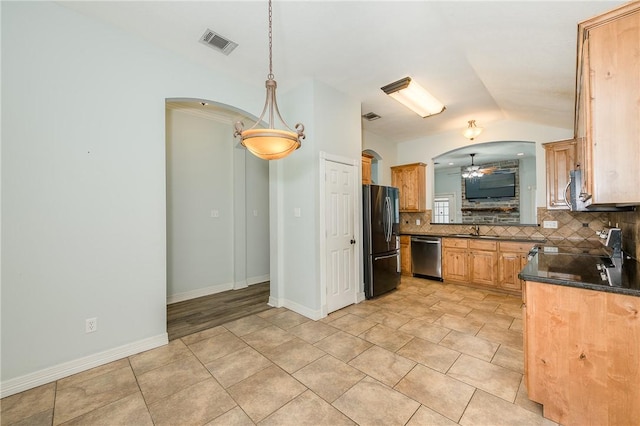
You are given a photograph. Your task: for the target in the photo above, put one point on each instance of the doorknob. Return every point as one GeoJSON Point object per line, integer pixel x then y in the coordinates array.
{"type": "Point", "coordinates": [353, 241]}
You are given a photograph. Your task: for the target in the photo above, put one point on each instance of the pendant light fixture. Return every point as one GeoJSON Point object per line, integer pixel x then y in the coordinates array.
{"type": "Point", "coordinates": [472, 131]}
{"type": "Point", "coordinates": [472, 171]}
{"type": "Point", "coordinates": [270, 143]}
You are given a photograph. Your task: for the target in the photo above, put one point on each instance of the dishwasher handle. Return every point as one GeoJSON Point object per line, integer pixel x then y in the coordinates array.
{"type": "Point", "coordinates": [425, 240]}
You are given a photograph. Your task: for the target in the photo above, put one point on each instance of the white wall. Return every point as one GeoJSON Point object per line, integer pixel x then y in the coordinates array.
{"type": "Point", "coordinates": [332, 125]}
{"type": "Point", "coordinates": [386, 149]}
{"type": "Point", "coordinates": [528, 189]}
{"type": "Point", "coordinates": [202, 179]}
{"type": "Point", "coordinates": [425, 149]}
{"type": "Point", "coordinates": [257, 222]}
{"type": "Point", "coordinates": [83, 187]}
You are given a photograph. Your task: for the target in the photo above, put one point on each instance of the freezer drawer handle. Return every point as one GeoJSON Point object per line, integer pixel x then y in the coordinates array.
{"type": "Point", "coordinates": [385, 257]}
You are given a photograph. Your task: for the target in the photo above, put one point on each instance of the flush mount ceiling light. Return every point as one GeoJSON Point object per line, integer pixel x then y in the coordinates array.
{"type": "Point", "coordinates": [472, 131]}
{"type": "Point", "coordinates": [415, 97]}
{"type": "Point", "coordinates": [270, 143]}
{"type": "Point", "coordinates": [472, 171]}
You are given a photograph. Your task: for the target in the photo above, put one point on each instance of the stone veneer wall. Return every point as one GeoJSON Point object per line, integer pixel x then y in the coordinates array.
{"type": "Point", "coordinates": [571, 226]}
{"type": "Point", "coordinates": [505, 211]}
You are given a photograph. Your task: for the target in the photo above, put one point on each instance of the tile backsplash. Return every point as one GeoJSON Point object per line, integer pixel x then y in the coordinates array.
{"type": "Point", "coordinates": [571, 226]}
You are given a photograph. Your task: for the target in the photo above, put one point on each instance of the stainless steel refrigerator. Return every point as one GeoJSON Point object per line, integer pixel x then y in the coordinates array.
{"type": "Point", "coordinates": [381, 239]}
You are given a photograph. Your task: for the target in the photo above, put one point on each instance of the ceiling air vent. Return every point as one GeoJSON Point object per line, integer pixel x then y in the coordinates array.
{"type": "Point", "coordinates": [217, 42]}
{"type": "Point", "coordinates": [370, 116]}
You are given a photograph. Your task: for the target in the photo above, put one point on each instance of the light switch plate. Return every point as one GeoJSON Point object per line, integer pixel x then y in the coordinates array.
{"type": "Point", "coordinates": [550, 224]}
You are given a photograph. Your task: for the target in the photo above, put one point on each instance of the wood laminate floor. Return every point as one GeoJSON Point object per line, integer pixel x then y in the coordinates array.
{"type": "Point", "coordinates": [192, 316]}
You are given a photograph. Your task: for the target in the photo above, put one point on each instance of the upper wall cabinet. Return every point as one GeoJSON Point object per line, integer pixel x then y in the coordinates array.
{"type": "Point", "coordinates": [560, 158]}
{"type": "Point", "coordinates": [608, 106]}
{"type": "Point", "coordinates": [410, 180]}
{"type": "Point", "coordinates": [366, 169]}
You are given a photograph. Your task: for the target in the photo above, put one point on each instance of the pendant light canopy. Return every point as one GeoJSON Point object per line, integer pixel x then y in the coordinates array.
{"type": "Point", "coordinates": [472, 131]}
{"type": "Point", "coordinates": [270, 143]}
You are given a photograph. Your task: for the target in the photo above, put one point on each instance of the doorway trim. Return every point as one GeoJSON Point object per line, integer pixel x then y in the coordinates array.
{"type": "Point", "coordinates": [357, 210]}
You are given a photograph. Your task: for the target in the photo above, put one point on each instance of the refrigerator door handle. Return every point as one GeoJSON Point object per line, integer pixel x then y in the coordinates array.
{"type": "Point", "coordinates": [385, 257]}
{"type": "Point", "coordinates": [387, 222]}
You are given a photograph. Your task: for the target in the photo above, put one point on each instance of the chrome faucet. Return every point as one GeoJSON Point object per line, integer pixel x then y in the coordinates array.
{"type": "Point", "coordinates": [476, 230]}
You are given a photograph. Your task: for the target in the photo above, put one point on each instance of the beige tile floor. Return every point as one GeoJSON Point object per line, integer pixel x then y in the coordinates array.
{"type": "Point", "coordinates": [425, 354]}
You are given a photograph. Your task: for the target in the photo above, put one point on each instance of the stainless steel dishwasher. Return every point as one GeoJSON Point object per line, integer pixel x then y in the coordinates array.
{"type": "Point", "coordinates": [426, 256]}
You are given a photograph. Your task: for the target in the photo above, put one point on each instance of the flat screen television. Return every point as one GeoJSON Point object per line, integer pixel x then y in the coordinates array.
{"type": "Point", "coordinates": [488, 187]}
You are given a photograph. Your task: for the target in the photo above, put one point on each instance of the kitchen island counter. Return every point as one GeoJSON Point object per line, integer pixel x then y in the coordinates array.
{"type": "Point", "coordinates": [587, 267]}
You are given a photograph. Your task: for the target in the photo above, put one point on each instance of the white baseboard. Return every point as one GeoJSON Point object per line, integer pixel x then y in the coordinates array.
{"type": "Point", "coordinates": [258, 279]}
{"type": "Point", "coordinates": [295, 307]}
{"type": "Point", "coordinates": [206, 291]}
{"type": "Point", "coordinates": [51, 374]}
{"type": "Point", "coordinates": [218, 288]}
{"type": "Point", "coordinates": [360, 296]}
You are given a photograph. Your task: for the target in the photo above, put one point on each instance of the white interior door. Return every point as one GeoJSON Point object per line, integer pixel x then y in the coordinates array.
{"type": "Point", "coordinates": [340, 246]}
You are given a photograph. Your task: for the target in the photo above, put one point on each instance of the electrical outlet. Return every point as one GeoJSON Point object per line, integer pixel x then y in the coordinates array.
{"type": "Point", "coordinates": [550, 224]}
{"type": "Point", "coordinates": [91, 325]}
{"type": "Point", "coordinates": [418, 222]}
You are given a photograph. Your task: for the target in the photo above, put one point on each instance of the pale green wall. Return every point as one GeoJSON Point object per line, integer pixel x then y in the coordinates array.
{"type": "Point", "coordinates": [83, 182]}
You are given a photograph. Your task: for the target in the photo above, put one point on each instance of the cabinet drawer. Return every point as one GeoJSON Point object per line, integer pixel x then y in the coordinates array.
{"type": "Point", "coordinates": [516, 247]}
{"type": "Point", "coordinates": [455, 242]}
{"type": "Point", "coordinates": [483, 245]}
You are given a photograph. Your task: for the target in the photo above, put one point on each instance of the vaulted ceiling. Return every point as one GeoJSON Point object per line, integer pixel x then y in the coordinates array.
{"type": "Point", "coordinates": [485, 60]}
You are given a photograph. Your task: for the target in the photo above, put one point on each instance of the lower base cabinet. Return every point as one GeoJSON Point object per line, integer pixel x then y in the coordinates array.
{"type": "Point", "coordinates": [405, 254]}
{"type": "Point", "coordinates": [487, 263]}
{"type": "Point", "coordinates": [582, 354]}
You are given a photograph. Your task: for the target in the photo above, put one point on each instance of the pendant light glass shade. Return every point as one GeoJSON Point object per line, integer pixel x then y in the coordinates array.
{"type": "Point", "coordinates": [472, 131]}
{"type": "Point", "coordinates": [270, 143]}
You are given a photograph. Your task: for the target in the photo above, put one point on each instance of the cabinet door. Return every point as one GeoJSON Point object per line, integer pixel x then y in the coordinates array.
{"type": "Point", "coordinates": [405, 254]}
{"type": "Point", "coordinates": [455, 264]}
{"type": "Point", "coordinates": [410, 180]}
{"type": "Point", "coordinates": [483, 265]}
{"type": "Point", "coordinates": [509, 266]}
{"type": "Point", "coordinates": [366, 169]}
{"type": "Point", "coordinates": [560, 158]}
{"type": "Point", "coordinates": [610, 71]}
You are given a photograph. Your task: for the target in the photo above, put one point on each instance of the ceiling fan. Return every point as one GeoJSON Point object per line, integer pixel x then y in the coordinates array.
{"type": "Point", "coordinates": [474, 171]}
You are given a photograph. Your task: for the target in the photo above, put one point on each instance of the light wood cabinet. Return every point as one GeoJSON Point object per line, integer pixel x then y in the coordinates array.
{"type": "Point", "coordinates": [366, 169]}
{"type": "Point", "coordinates": [455, 259]}
{"type": "Point", "coordinates": [582, 354]}
{"type": "Point", "coordinates": [410, 180]}
{"type": "Point", "coordinates": [483, 262]}
{"type": "Point", "coordinates": [560, 158]}
{"type": "Point", "coordinates": [405, 254]}
{"type": "Point", "coordinates": [607, 107]}
{"type": "Point", "coordinates": [512, 259]}
{"type": "Point", "coordinates": [486, 263]}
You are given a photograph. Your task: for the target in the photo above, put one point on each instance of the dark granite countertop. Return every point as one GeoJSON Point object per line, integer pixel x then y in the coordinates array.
{"type": "Point", "coordinates": [479, 237]}
{"type": "Point", "coordinates": [583, 266]}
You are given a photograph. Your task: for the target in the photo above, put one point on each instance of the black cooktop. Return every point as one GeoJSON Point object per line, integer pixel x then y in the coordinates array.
{"type": "Point", "coordinates": [586, 264]}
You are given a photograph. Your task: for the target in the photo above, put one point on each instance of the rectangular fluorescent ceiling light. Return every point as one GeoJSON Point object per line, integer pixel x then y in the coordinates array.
{"type": "Point", "coordinates": [415, 97]}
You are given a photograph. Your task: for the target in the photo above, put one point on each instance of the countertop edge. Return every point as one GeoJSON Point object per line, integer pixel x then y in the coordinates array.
{"type": "Point", "coordinates": [473, 237]}
{"type": "Point", "coordinates": [586, 286]}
